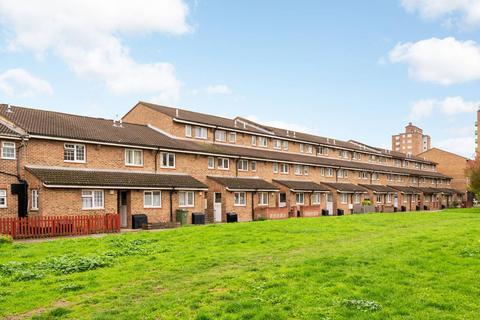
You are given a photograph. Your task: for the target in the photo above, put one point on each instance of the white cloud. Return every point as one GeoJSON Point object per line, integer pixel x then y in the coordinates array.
{"type": "Point", "coordinates": [464, 146]}
{"type": "Point", "coordinates": [20, 83]}
{"type": "Point", "coordinates": [86, 35]}
{"type": "Point", "coordinates": [282, 124]}
{"type": "Point", "coordinates": [421, 109]}
{"type": "Point", "coordinates": [462, 12]}
{"type": "Point", "coordinates": [448, 106]}
{"type": "Point", "coordinates": [218, 89]}
{"type": "Point", "coordinates": [445, 61]}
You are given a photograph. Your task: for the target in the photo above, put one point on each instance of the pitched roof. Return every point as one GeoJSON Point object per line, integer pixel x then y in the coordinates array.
{"type": "Point", "coordinates": [299, 185]}
{"type": "Point", "coordinates": [244, 184]}
{"type": "Point", "coordinates": [450, 191]}
{"type": "Point", "coordinates": [429, 190]}
{"type": "Point", "coordinates": [58, 177]}
{"type": "Point", "coordinates": [379, 188]}
{"type": "Point", "coordinates": [6, 131]}
{"type": "Point", "coordinates": [62, 125]}
{"type": "Point", "coordinates": [443, 151]}
{"type": "Point", "coordinates": [346, 187]}
{"type": "Point", "coordinates": [406, 190]}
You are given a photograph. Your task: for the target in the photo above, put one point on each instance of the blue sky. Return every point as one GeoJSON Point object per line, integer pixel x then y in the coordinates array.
{"type": "Point", "coordinates": [344, 69]}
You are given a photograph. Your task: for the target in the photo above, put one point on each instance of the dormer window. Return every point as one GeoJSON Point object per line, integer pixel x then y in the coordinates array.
{"type": "Point", "coordinates": [188, 130]}
{"type": "Point", "coordinates": [308, 148]}
{"type": "Point", "coordinates": [220, 136]}
{"type": "Point", "coordinates": [302, 147]}
{"type": "Point", "coordinates": [343, 154]}
{"type": "Point", "coordinates": [74, 152]}
{"type": "Point", "coordinates": [232, 137]}
{"type": "Point", "coordinates": [254, 140]}
{"type": "Point", "coordinates": [323, 151]}
{"type": "Point", "coordinates": [201, 133]}
{"type": "Point", "coordinates": [285, 145]}
{"type": "Point", "coordinates": [262, 142]}
{"type": "Point", "coordinates": [277, 144]}
{"type": "Point", "coordinates": [134, 157]}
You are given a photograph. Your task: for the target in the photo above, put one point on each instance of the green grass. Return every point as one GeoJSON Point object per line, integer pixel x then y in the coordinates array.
{"type": "Point", "coordinates": [379, 266]}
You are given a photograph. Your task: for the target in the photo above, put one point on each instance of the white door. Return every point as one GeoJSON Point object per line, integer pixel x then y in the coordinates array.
{"type": "Point", "coordinates": [217, 206]}
{"type": "Point", "coordinates": [282, 200]}
{"type": "Point", "coordinates": [123, 208]}
{"type": "Point", "coordinates": [395, 201]}
{"type": "Point", "coordinates": [329, 204]}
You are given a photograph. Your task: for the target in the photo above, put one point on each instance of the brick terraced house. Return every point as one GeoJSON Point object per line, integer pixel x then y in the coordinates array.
{"type": "Point", "coordinates": [158, 159]}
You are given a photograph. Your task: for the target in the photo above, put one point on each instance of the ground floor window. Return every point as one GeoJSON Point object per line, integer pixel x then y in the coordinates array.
{"type": "Point", "coordinates": [300, 198]}
{"type": "Point", "coordinates": [34, 199]}
{"type": "Point", "coordinates": [356, 198]}
{"type": "Point", "coordinates": [315, 198]}
{"type": "Point", "coordinates": [389, 198]}
{"type": "Point", "coordinates": [186, 199]}
{"type": "Point", "coordinates": [240, 199]}
{"type": "Point", "coordinates": [152, 199]}
{"type": "Point", "coordinates": [344, 198]}
{"type": "Point", "coordinates": [263, 198]}
{"type": "Point", "coordinates": [379, 198]}
{"type": "Point", "coordinates": [427, 198]}
{"type": "Point", "coordinates": [92, 199]}
{"type": "Point", "coordinates": [3, 198]}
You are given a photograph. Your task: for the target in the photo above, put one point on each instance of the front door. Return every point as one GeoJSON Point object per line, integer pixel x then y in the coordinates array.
{"type": "Point", "coordinates": [217, 206]}
{"type": "Point", "coordinates": [330, 204]}
{"type": "Point", "coordinates": [122, 206]}
{"type": "Point", "coordinates": [282, 200]}
{"type": "Point", "coordinates": [395, 201]}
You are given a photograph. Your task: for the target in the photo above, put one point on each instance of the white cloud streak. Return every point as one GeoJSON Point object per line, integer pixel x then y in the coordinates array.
{"type": "Point", "coordinates": [445, 61]}
{"type": "Point", "coordinates": [86, 34]}
{"type": "Point", "coordinates": [448, 106]}
{"type": "Point", "coordinates": [20, 83]}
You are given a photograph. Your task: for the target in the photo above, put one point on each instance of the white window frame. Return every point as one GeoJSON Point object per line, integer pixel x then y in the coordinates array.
{"type": "Point", "coordinates": [285, 145]}
{"type": "Point", "coordinates": [232, 137]}
{"type": "Point", "coordinates": [357, 198]}
{"type": "Point", "coordinates": [211, 163]}
{"type": "Point", "coordinates": [237, 197]}
{"type": "Point", "coordinates": [306, 170]}
{"type": "Point", "coordinates": [3, 198]}
{"type": "Point", "coordinates": [300, 198]}
{"type": "Point", "coordinates": [242, 165]}
{"type": "Point", "coordinates": [284, 166]}
{"type": "Point", "coordinates": [133, 164]}
{"type": "Point", "coordinates": [322, 172]}
{"type": "Point", "coordinates": [223, 161]}
{"type": "Point", "coordinates": [188, 130]}
{"type": "Point", "coordinates": [389, 198]}
{"type": "Point", "coordinates": [34, 204]}
{"type": "Point", "coordinates": [329, 172]}
{"type": "Point", "coordinates": [253, 165]}
{"type": "Point", "coordinates": [308, 149]}
{"type": "Point", "coordinates": [11, 146]}
{"type": "Point", "coordinates": [184, 196]}
{"type": "Point", "coordinates": [76, 147]}
{"type": "Point", "coordinates": [152, 194]}
{"type": "Point", "coordinates": [316, 198]}
{"type": "Point", "coordinates": [302, 147]}
{"type": "Point", "coordinates": [277, 144]}
{"type": "Point", "coordinates": [254, 140]}
{"type": "Point", "coordinates": [220, 135]}
{"type": "Point", "coordinates": [275, 166]}
{"type": "Point", "coordinates": [263, 142]}
{"type": "Point", "coordinates": [344, 198]}
{"type": "Point", "coordinates": [201, 133]}
{"type": "Point", "coordinates": [298, 170]}
{"type": "Point", "coordinates": [92, 197]}
{"type": "Point", "coordinates": [168, 165]}
{"type": "Point", "coordinates": [378, 198]}
{"type": "Point", "coordinates": [323, 151]}
{"type": "Point", "coordinates": [263, 198]}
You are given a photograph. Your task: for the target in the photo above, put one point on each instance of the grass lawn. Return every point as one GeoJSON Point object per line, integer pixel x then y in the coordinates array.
{"type": "Point", "coordinates": [422, 265]}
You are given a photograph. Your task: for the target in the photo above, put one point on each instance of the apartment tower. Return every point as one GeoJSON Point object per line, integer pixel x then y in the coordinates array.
{"type": "Point", "coordinates": [412, 141]}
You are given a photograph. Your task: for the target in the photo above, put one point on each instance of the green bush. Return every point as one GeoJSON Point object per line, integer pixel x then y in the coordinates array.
{"type": "Point", "coordinates": [71, 264]}
{"type": "Point", "coordinates": [5, 239]}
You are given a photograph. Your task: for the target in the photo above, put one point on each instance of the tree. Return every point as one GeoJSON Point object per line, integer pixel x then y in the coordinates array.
{"type": "Point", "coordinates": [473, 173]}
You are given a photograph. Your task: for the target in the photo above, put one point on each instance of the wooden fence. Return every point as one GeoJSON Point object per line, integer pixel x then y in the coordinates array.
{"type": "Point", "coordinates": [59, 226]}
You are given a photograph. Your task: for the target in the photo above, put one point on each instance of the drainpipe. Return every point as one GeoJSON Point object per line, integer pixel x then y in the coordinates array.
{"type": "Point", "coordinates": [171, 205]}
{"type": "Point", "coordinates": [336, 175]}
{"type": "Point", "coordinates": [253, 202]}
{"type": "Point", "coordinates": [236, 167]}
{"type": "Point", "coordinates": [157, 152]}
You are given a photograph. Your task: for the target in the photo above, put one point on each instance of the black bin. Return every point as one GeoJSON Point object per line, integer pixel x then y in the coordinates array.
{"type": "Point", "coordinates": [443, 206]}
{"type": "Point", "coordinates": [404, 208]}
{"type": "Point", "coordinates": [324, 212]}
{"type": "Point", "coordinates": [425, 208]}
{"type": "Point", "coordinates": [417, 208]}
{"type": "Point", "coordinates": [340, 212]}
{"type": "Point", "coordinates": [138, 220]}
{"type": "Point", "coordinates": [198, 218]}
{"type": "Point", "coordinates": [232, 217]}
{"type": "Point", "coordinates": [395, 209]}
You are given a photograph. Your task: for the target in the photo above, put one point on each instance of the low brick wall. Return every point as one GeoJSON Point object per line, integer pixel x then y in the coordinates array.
{"type": "Point", "coordinates": [311, 211]}
{"type": "Point", "coordinates": [273, 213]}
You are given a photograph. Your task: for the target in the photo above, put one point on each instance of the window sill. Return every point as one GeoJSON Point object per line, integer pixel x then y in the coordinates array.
{"type": "Point", "coordinates": [134, 165]}
{"type": "Point", "coordinates": [71, 161]}
{"type": "Point", "coordinates": [186, 206]}
{"type": "Point", "coordinates": [152, 207]}
{"type": "Point", "coordinates": [162, 167]}
{"type": "Point", "coordinates": [91, 209]}
{"type": "Point", "coordinates": [239, 205]}
{"type": "Point", "coordinates": [9, 158]}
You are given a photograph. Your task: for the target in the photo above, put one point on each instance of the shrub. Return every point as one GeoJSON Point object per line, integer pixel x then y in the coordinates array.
{"type": "Point", "coordinates": [69, 287]}
{"type": "Point", "coordinates": [5, 239]}
{"type": "Point", "coordinates": [27, 275]}
{"type": "Point", "coordinates": [71, 264]}
{"type": "Point", "coordinates": [366, 202]}
{"type": "Point", "coordinates": [362, 305]}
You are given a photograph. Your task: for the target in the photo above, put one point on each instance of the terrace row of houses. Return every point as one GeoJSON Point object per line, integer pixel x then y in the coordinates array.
{"type": "Point", "coordinates": [158, 159]}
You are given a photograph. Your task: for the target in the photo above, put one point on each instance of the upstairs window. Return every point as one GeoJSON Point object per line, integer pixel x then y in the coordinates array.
{"type": "Point", "coordinates": [262, 142]}
{"type": "Point", "coordinates": [254, 166]}
{"type": "Point", "coordinates": [329, 172]}
{"type": "Point", "coordinates": [188, 130]}
{"type": "Point", "coordinates": [308, 148]}
{"type": "Point", "coordinates": [285, 145]}
{"type": "Point", "coordinates": [375, 176]}
{"type": "Point", "coordinates": [168, 160]}
{"type": "Point", "coordinates": [243, 165]}
{"type": "Point", "coordinates": [363, 175]}
{"type": "Point", "coordinates": [389, 177]}
{"type": "Point", "coordinates": [357, 156]}
{"type": "Point", "coordinates": [201, 133]}
{"type": "Point", "coordinates": [232, 137]}
{"type": "Point", "coordinates": [343, 154]}
{"type": "Point", "coordinates": [223, 163]}
{"type": "Point", "coordinates": [305, 170]}
{"type": "Point", "coordinates": [342, 173]}
{"type": "Point", "coordinates": [277, 144]}
{"type": "Point", "coordinates": [298, 170]}
{"type": "Point", "coordinates": [302, 147]}
{"type": "Point", "coordinates": [220, 136]}
{"type": "Point", "coordinates": [284, 168]}
{"type": "Point", "coordinates": [8, 150]}
{"type": "Point", "coordinates": [275, 167]}
{"type": "Point", "coordinates": [323, 151]}
{"type": "Point", "coordinates": [254, 140]}
{"type": "Point", "coordinates": [134, 157]}
{"type": "Point", "coordinates": [211, 163]}
{"type": "Point", "coordinates": [73, 152]}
